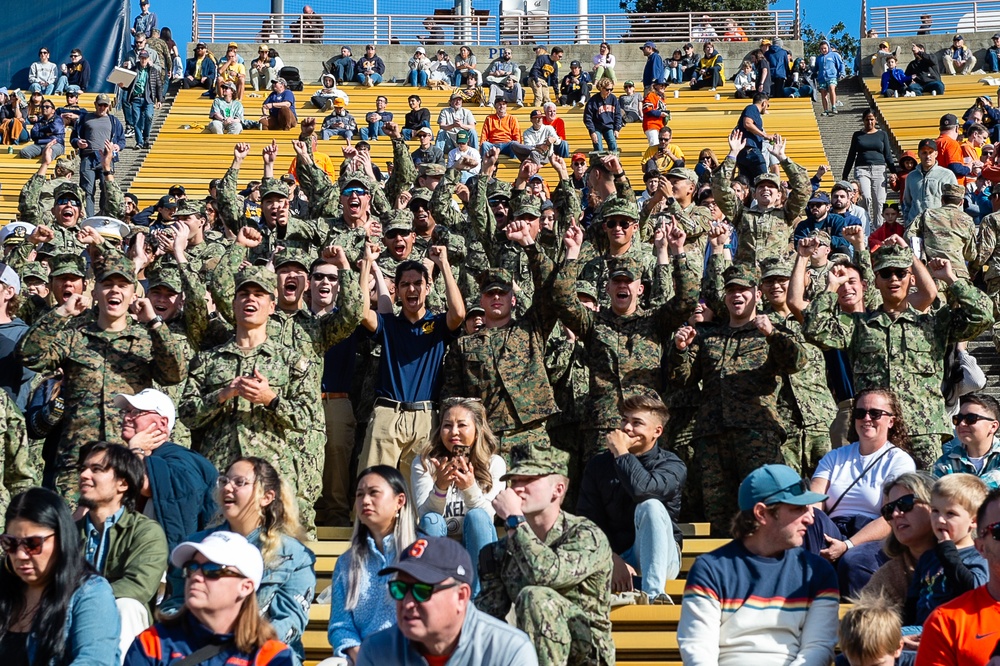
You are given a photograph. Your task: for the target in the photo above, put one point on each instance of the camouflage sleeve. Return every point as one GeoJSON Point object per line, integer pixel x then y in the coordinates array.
{"type": "Point", "coordinates": [577, 559]}
{"type": "Point", "coordinates": [47, 343]}
{"type": "Point", "coordinates": [674, 313]}
{"type": "Point", "coordinates": [872, 298]}
{"type": "Point", "coordinates": [441, 208]}
{"type": "Point", "coordinates": [404, 173]}
{"type": "Point", "coordinates": [297, 406]}
{"type": "Point", "coordinates": [542, 270]}
{"type": "Point", "coordinates": [28, 207]}
{"type": "Point", "coordinates": [823, 327]}
{"type": "Point", "coordinates": [323, 194]}
{"type": "Point", "coordinates": [567, 304]}
{"type": "Point", "coordinates": [222, 281]}
{"type": "Point", "coordinates": [18, 256]}
{"type": "Point", "coordinates": [713, 287]}
{"type": "Point", "coordinates": [567, 207]}
{"type": "Point", "coordinates": [800, 191]}
{"type": "Point", "coordinates": [785, 355]}
{"type": "Point", "coordinates": [663, 285]}
{"type": "Point", "coordinates": [623, 189]}
{"type": "Point", "coordinates": [987, 244]}
{"type": "Point", "coordinates": [198, 409]}
{"type": "Point", "coordinates": [18, 472]}
{"type": "Point", "coordinates": [682, 365]}
{"type": "Point", "coordinates": [725, 196]}
{"type": "Point", "coordinates": [195, 310]}
{"type": "Point", "coordinates": [314, 232]}
{"type": "Point", "coordinates": [380, 202]}
{"type": "Point", "coordinates": [340, 324]}
{"type": "Point", "coordinates": [915, 229]}
{"type": "Point", "coordinates": [493, 598]}
{"type": "Point", "coordinates": [970, 311]}
{"type": "Point", "coordinates": [230, 210]}
{"type": "Point", "coordinates": [170, 356]}
{"type": "Point", "coordinates": [483, 222]}
{"type": "Point", "coordinates": [116, 200]}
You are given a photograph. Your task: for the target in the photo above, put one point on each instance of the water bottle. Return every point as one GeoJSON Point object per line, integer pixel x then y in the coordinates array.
{"type": "Point", "coordinates": [677, 94]}
{"type": "Point", "coordinates": [717, 96]}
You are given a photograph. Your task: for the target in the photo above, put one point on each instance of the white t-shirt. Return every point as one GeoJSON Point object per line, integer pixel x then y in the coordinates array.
{"type": "Point", "coordinates": [841, 466]}
{"type": "Point", "coordinates": [471, 153]}
{"type": "Point", "coordinates": [454, 506]}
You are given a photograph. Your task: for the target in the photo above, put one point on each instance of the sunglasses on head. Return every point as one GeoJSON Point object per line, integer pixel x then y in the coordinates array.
{"type": "Point", "coordinates": [360, 191]}
{"type": "Point", "coordinates": [874, 414]}
{"type": "Point", "coordinates": [624, 224]}
{"type": "Point", "coordinates": [32, 545]}
{"type": "Point", "coordinates": [329, 277]}
{"type": "Point", "coordinates": [889, 273]}
{"type": "Point", "coordinates": [970, 419]}
{"type": "Point", "coordinates": [421, 591]}
{"type": "Point", "coordinates": [993, 530]}
{"type": "Point", "coordinates": [904, 504]}
{"type": "Point", "coordinates": [210, 570]}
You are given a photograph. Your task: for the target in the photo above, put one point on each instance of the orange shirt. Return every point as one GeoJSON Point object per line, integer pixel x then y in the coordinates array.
{"type": "Point", "coordinates": [321, 160]}
{"type": "Point", "coordinates": [962, 632]}
{"type": "Point", "coordinates": [949, 152]}
{"type": "Point", "coordinates": [501, 130]}
{"type": "Point", "coordinates": [652, 101]}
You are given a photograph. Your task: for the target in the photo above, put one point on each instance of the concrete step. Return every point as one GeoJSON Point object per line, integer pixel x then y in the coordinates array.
{"type": "Point", "coordinates": [985, 353]}
{"type": "Point", "coordinates": [836, 130]}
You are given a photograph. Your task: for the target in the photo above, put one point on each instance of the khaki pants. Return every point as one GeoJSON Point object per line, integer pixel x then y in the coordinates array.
{"type": "Point", "coordinates": [540, 89]}
{"type": "Point", "coordinates": [394, 436]}
{"type": "Point", "coordinates": [334, 504]}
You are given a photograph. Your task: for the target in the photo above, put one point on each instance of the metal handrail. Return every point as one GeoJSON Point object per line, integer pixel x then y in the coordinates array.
{"type": "Point", "coordinates": [935, 18]}
{"type": "Point", "coordinates": [487, 30]}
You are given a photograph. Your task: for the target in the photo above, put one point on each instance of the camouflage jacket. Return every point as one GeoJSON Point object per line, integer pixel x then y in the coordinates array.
{"type": "Point", "coordinates": [625, 351]}
{"type": "Point", "coordinates": [905, 354]}
{"type": "Point", "coordinates": [20, 468]}
{"type": "Point", "coordinates": [695, 220]}
{"type": "Point", "coordinates": [569, 375]}
{"type": "Point", "coordinates": [31, 209]}
{"type": "Point", "coordinates": [947, 233]}
{"type": "Point", "coordinates": [595, 271]}
{"type": "Point", "coordinates": [987, 257]}
{"type": "Point", "coordinates": [574, 560]}
{"type": "Point", "coordinates": [761, 234]}
{"type": "Point", "coordinates": [323, 194]}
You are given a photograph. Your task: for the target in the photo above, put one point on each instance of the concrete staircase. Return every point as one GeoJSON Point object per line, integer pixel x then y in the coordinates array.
{"type": "Point", "coordinates": [836, 130]}
{"type": "Point", "coordinates": [131, 159]}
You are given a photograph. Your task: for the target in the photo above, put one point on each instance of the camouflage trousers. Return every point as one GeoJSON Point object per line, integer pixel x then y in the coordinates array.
{"type": "Point", "coordinates": [678, 438]}
{"type": "Point", "coordinates": [804, 447]}
{"type": "Point", "coordinates": [721, 463]}
{"type": "Point", "coordinates": [840, 429]}
{"type": "Point", "coordinates": [559, 629]}
{"type": "Point", "coordinates": [926, 449]}
{"type": "Point", "coordinates": [309, 464]}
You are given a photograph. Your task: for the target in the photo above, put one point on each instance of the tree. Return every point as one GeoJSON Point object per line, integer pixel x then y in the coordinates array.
{"type": "Point", "coordinates": [840, 40]}
{"type": "Point", "coordinates": [658, 6]}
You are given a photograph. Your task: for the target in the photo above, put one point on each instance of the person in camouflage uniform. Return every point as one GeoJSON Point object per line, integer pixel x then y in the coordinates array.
{"type": "Point", "coordinates": [253, 396]}
{"type": "Point", "coordinates": [739, 364]}
{"type": "Point", "coordinates": [108, 354]}
{"type": "Point", "coordinates": [674, 200]}
{"type": "Point", "coordinates": [946, 232]}
{"type": "Point", "coordinates": [988, 260]}
{"type": "Point", "coordinates": [202, 254]}
{"type": "Point", "coordinates": [553, 567]}
{"type": "Point", "coordinates": [19, 464]}
{"type": "Point", "coordinates": [764, 230]}
{"type": "Point", "coordinates": [625, 341]}
{"type": "Point", "coordinates": [900, 348]}
{"type": "Point", "coordinates": [503, 364]}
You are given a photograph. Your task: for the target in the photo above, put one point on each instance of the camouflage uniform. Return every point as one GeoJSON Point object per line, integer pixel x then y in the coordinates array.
{"type": "Point", "coordinates": [19, 464]}
{"type": "Point", "coordinates": [988, 261]}
{"type": "Point", "coordinates": [597, 273]}
{"type": "Point", "coordinates": [96, 366]}
{"type": "Point", "coordinates": [695, 220]}
{"type": "Point", "coordinates": [560, 586]}
{"type": "Point", "coordinates": [905, 354]}
{"type": "Point", "coordinates": [738, 427]}
{"type": "Point", "coordinates": [947, 233]}
{"type": "Point", "coordinates": [762, 234]}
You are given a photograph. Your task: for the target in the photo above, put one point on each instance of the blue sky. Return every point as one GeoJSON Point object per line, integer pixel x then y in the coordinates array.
{"type": "Point", "coordinates": [177, 13]}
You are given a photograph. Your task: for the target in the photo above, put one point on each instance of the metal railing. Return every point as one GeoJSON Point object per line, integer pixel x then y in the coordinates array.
{"type": "Point", "coordinates": [940, 18]}
{"type": "Point", "coordinates": [488, 30]}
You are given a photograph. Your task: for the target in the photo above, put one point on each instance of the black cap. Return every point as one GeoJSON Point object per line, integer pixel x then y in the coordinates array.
{"type": "Point", "coordinates": [948, 120]}
{"type": "Point", "coordinates": [928, 143]}
{"type": "Point", "coordinates": [434, 560]}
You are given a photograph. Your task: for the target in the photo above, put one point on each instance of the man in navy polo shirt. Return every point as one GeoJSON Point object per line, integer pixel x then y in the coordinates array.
{"type": "Point", "coordinates": [413, 347]}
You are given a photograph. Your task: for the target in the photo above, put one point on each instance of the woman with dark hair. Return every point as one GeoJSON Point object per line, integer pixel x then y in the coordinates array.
{"type": "Point", "coordinates": [849, 528]}
{"type": "Point", "coordinates": [383, 524]}
{"type": "Point", "coordinates": [255, 503]}
{"type": "Point", "coordinates": [871, 156]}
{"type": "Point", "coordinates": [54, 610]}
{"type": "Point", "coordinates": [465, 64]}
{"type": "Point", "coordinates": [706, 166]}
{"type": "Point", "coordinates": [176, 65]}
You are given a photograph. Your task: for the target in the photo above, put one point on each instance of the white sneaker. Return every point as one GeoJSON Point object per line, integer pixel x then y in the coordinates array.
{"type": "Point", "coordinates": [839, 103]}
{"type": "Point", "coordinates": [934, 93]}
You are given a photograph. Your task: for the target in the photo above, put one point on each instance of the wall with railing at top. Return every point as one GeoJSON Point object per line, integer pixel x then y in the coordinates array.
{"type": "Point", "coordinates": [488, 29]}
{"type": "Point", "coordinates": [938, 18]}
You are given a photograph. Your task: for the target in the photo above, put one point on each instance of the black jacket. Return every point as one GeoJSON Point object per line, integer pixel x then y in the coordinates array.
{"type": "Point", "coordinates": [613, 487]}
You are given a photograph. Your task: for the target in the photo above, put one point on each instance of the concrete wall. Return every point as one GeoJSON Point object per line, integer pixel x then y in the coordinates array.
{"type": "Point", "coordinates": [979, 42]}
{"type": "Point", "coordinates": [630, 61]}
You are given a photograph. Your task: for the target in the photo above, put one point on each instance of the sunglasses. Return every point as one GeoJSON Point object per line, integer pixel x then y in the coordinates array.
{"type": "Point", "coordinates": [904, 504]}
{"type": "Point", "coordinates": [499, 200]}
{"type": "Point", "coordinates": [43, 53]}
{"type": "Point", "coordinates": [237, 481]}
{"type": "Point", "coordinates": [396, 233]}
{"type": "Point", "coordinates": [993, 530]}
{"type": "Point", "coordinates": [612, 224]}
{"type": "Point", "coordinates": [889, 273]}
{"type": "Point", "coordinates": [360, 191]}
{"type": "Point", "coordinates": [859, 414]}
{"type": "Point", "coordinates": [47, 106]}
{"type": "Point", "coordinates": [67, 201]}
{"type": "Point", "coordinates": [970, 418]}
{"type": "Point", "coordinates": [32, 545]}
{"type": "Point", "coordinates": [329, 277]}
{"type": "Point", "coordinates": [421, 591]}
{"type": "Point", "coordinates": [210, 570]}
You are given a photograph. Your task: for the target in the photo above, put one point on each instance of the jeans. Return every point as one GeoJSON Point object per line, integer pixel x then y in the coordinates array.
{"type": "Point", "coordinates": [778, 87]}
{"type": "Point", "coordinates": [654, 552]}
{"type": "Point", "coordinates": [91, 171]}
{"type": "Point", "coordinates": [327, 134]}
{"type": "Point", "coordinates": [751, 163]}
{"type": "Point", "coordinates": [514, 95]}
{"type": "Point", "coordinates": [561, 149]}
{"type": "Point", "coordinates": [61, 84]}
{"type": "Point", "coordinates": [446, 141]}
{"type": "Point", "coordinates": [344, 69]}
{"type": "Point", "coordinates": [142, 114]}
{"type": "Point", "coordinates": [856, 566]}
{"type": "Point", "coordinates": [992, 61]}
{"type": "Point", "coordinates": [376, 78]}
{"type": "Point", "coordinates": [37, 87]}
{"type": "Point", "coordinates": [801, 91]}
{"type": "Point", "coordinates": [871, 180]}
{"type": "Point", "coordinates": [511, 149]}
{"type": "Point", "coordinates": [711, 79]}
{"type": "Point", "coordinates": [417, 77]}
{"type": "Point", "coordinates": [477, 533]}
{"type": "Point", "coordinates": [373, 131]}
{"type": "Point", "coordinates": [674, 74]}
{"type": "Point", "coordinates": [33, 150]}
{"type": "Point", "coordinates": [607, 135]}
{"type": "Point", "coordinates": [927, 88]}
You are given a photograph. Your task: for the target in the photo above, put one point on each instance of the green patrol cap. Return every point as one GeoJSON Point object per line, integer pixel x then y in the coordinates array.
{"type": "Point", "coordinates": [625, 266]}
{"type": "Point", "coordinates": [767, 179]}
{"type": "Point", "coordinates": [498, 188]}
{"type": "Point", "coordinates": [67, 264]}
{"type": "Point", "coordinates": [260, 276]}
{"type": "Point", "coordinates": [586, 288]}
{"type": "Point", "coordinates": [165, 276]}
{"type": "Point", "coordinates": [290, 255]}
{"type": "Point", "coordinates": [358, 177]}
{"type": "Point", "coordinates": [69, 189]}
{"type": "Point", "coordinates": [597, 155]}
{"type": "Point", "coordinates": [892, 256]}
{"type": "Point", "coordinates": [775, 267]}
{"type": "Point", "coordinates": [957, 191]}
{"type": "Point", "coordinates": [190, 207]}
{"type": "Point", "coordinates": [619, 206]}
{"type": "Point", "coordinates": [273, 186]}
{"type": "Point", "coordinates": [121, 266]}
{"type": "Point", "coordinates": [420, 194]}
{"type": "Point", "coordinates": [527, 460]}
{"type": "Point", "coordinates": [495, 278]}
{"type": "Point", "coordinates": [398, 220]}
{"type": "Point", "coordinates": [744, 275]}
{"type": "Point", "coordinates": [822, 236]}
{"type": "Point", "coordinates": [430, 169]}
{"type": "Point", "coordinates": [473, 307]}
{"type": "Point", "coordinates": [529, 207]}
{"type": "Point", "coordinates": [35, 269]}
{"type": "Point", "coordinates": [682, 172]}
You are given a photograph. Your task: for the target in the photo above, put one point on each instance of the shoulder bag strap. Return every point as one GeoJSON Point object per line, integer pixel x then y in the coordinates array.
{"type": "Point", "coordinates": [203, 654]}
{"type": "Point", "coordinates": [858, 478]}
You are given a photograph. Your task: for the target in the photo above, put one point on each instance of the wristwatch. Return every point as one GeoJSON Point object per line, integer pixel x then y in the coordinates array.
{"type": "Point", "coordinates": [513, 521]}
{"type": "Point", "coordinates": [154, 321]}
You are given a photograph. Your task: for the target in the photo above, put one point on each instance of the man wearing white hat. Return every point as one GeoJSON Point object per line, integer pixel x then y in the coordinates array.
{"type": "Point", "coordinates": [219, 621]}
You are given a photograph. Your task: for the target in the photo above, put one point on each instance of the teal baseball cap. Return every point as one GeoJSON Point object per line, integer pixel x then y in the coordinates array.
{"type": "Point", "coordinates": [776, 484]}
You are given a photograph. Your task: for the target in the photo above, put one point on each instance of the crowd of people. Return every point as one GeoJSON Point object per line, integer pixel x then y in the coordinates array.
{"type": "Point", "coordinates": [433, 353]}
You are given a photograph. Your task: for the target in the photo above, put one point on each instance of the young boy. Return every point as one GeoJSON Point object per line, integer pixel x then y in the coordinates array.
{"type": "Point", "coordinates": [894, 80]}
{"type": "Point", "coordinates": [871, 633]}
{"type": "Point", "coordinates": [954, 567]}
{"type": "Point", "coordinates": [631, 104]}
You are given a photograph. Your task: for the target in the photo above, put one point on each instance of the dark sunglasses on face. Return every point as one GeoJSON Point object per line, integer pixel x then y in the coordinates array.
{"type": "Point", "coordinates": [889, 273]}
{"type": "Point", "coordinates": [396, 233]}
{"type": "Point", "coordinates": [874, 414]}
{"type": "Point", "coordinates": [970, 419]}
{"type": "Point", "coordinates": [421, 591]}
{"type": "Point", "coordinates": [904, 504]}
{"type": "Point", "coordinates": [360, 191]}
{"type": "Point", "coordinates": [47, 106]}
{"type": "Point", "coordinates": [329, 277]}
{"type": "Point", "coordinates": [66, 201]}
{"type": "Point", "coordinates": [32, 545]}
{"type": "Point", "coordinates": [993, 530]}
{"type": "Point", "coordinates": [499, 200]}
{"type": "Point", "coordinates": [624, 224]}
{"type": "Point", "coordinates": [210, 570]}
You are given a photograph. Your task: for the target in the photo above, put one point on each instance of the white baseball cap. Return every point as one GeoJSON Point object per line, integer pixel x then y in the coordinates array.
{"type": "Point", "coordinates": [149, 400]}
{"type": "Point", "coordinates": [226, 548]}
{"type": "Point", "coordinates": [9, 277]}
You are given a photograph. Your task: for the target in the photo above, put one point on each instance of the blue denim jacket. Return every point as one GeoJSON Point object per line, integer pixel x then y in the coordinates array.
{"type": "Point", "coordinates": [375, 610]}
{"type": "Point", "coordinates": [92, 627]}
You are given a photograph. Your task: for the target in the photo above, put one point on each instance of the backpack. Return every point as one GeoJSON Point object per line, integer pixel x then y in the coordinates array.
{"type": "Point", "coordinates": [291, 76]}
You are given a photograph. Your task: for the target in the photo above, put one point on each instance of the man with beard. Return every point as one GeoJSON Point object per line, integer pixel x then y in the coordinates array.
{"type": "Point", "coordinates": [820, 219]}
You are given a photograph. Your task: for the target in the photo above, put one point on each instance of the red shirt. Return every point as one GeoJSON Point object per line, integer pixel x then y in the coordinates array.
{"type": "Point", "coordinates": [558, 125]}
{"type": "Point", "coordinates": [962, 632]}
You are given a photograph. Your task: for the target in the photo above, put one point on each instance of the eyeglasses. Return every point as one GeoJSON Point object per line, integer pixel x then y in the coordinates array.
{"type": "Point", "coordinates": [499, 200]}
{"type": "Point", "coordinates": [970, 419]}
{"type": "Point", "coordinates": [993, 530]}
{"type": "Point", "coordinates": [47, 106]}
{"type": "Point", "coordinates": [874, 414]}
{"type": "Point", "coordinates": [32, 545]}
{"type": "Point", "coordinates": [904, 504]}
{"type": "Point", "coordinates": [237, 481]}
{"type": "Point", "coordinates": [421, 591]}
{"type": "Point", "coordinates": [210, 570]}
{"type": "Point", "coordinates": [889, 273]}
{"type": "Point", "coordinates": [329, 277]}
{"type": "Point", "coordinates": [624, 224]}
{"type": "Point", "coordinates": [67, 201]}
{"type": "Point", "coordinates": [360, 191]}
